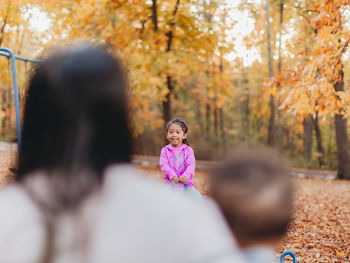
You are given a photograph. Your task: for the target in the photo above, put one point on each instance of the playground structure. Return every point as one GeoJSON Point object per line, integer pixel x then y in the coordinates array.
{"type": "Point", "coordinates": [10, 55]}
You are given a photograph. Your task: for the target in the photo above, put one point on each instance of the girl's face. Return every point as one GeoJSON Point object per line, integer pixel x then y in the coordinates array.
{"type": "Point", "coordinates": [175, 135]}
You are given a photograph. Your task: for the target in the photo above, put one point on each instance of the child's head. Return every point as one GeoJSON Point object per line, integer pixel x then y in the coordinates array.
{"type": "Point", "coordinates": [254, 191]}
{"type": "Point", "coordinates": [176, 132]}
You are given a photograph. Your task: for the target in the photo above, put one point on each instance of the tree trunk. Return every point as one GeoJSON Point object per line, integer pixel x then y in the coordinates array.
{"type": "Point", "coordinates": [198, 114]}
{"type": "Point", "coordinates": [341, 137]}
{"type": "Point", "coordinates": [167, 102]}
{"type": "Point", "coordinates": [216, 120]}
{"type": "Point", "coordinates": [271, 128]}
{"type": "Point", "coordinates": [207, 121]}
{"type": "Point", "coordinates": [222, 129]}
{"type": "Point", "coordinates": [6, 121]}
{"type": "Point", "coordinates": [155, 15]}
{"type": "Point", "coordinates": [207, 109]}
{"type": "Point", "coordinates": [2, 30]}
{"type": "Point", "coordinates": [307, 123]}
{"type": "Point", "coordinates": [279, 125]}
{"type": "Point", "coordinates": [221, 113]}
{"type": "Point", "coordinates": [330, 154]}
{"type": "Point", "coordinates": [320, 149]}
{"type": "Point", "coordinates": [245, 107]}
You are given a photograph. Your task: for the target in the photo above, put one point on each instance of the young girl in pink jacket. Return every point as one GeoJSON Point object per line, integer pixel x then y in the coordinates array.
{"type": "Point", "coordinates": [177, 160]}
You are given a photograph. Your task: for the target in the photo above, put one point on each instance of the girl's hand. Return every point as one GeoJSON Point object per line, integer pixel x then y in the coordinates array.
{"type": "Point", "coordinates": [175, 180]}
{"type": "Point", "coordinates": [183, 179]}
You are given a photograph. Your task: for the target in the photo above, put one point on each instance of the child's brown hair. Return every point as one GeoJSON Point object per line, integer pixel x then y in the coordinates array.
{"type": "Point", "coordinates": [255, 194]}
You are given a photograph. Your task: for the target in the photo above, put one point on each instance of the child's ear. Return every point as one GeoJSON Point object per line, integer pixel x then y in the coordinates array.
{"type": "Point", "coordinates": [185, 135]}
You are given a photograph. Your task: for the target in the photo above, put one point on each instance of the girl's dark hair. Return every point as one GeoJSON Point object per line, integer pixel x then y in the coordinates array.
{"type": "Point", "coordinates": [181, 123]}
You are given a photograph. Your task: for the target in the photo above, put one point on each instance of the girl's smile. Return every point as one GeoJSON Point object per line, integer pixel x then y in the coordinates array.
{"type": "Point", "coordinates": [175, 135]}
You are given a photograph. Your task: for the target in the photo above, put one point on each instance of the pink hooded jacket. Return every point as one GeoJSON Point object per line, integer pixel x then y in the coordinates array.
{"type": "Point", "coordinates": [177, 161]}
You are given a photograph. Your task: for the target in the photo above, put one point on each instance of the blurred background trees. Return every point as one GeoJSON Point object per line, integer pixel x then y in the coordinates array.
{"type": "Point", "coordinates": [280, 82]}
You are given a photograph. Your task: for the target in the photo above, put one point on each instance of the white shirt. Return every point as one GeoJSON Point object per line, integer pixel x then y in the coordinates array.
{"type": "Point", "coordinates": [259, 253]}
{"type": "Point", "coordinates": [132, 219]}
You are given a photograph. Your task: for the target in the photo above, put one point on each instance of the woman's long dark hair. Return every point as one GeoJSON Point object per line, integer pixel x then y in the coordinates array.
{"type": "Point", "coordinates": [75, 124]}
{"type": "Point", "coordinates": [75, 113]}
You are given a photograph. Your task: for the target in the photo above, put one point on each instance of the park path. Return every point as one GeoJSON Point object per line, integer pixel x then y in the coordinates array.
{"type": "Point", "coordinates": [8, 152]}
{"type": "Point", "coordinates": [153, 161]}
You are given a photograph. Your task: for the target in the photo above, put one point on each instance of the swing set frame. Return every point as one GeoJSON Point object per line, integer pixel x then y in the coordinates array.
{"type": "Point", "coordinates": [10, 55]}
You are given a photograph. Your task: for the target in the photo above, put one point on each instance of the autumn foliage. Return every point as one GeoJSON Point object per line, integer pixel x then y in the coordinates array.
{"type": "Point", "coordinates": [182, 59]}
{"type": "Point", "coordinates": [311, 83]}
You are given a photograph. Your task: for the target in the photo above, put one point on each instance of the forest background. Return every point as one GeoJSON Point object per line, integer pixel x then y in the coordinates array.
{"type": "Point", "coordinates": [289, 92]}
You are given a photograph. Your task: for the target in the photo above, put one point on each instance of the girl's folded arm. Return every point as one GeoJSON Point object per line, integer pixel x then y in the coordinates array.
{"type": "Point", "coordinates": [190, 164]}
{"type": "Point", "coordinates": [165, 167]}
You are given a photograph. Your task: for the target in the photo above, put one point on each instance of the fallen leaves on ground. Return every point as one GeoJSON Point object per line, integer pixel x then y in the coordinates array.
{"type": "Point", "coordinates": [321, 226]}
